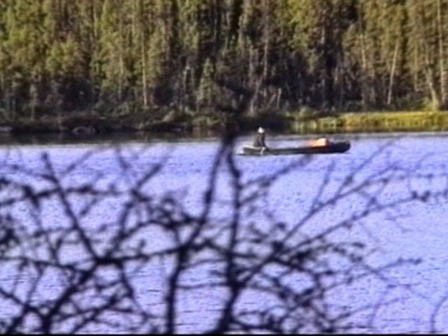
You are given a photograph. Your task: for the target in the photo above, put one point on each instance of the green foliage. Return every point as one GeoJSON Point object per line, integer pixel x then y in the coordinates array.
{"type": "Point", "coordinates": [324, 54]}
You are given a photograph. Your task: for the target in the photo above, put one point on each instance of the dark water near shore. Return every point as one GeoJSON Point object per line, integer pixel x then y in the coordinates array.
{"type": "Point", "coordinates": [417, 231]}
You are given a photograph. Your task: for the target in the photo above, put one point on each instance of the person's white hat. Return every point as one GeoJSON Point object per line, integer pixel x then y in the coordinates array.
{"type": "Point", "coordinates": [260, 130]}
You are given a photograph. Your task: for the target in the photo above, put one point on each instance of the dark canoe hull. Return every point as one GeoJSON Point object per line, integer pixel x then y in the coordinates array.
{"type": "Point", "coordinates": [333, 148]}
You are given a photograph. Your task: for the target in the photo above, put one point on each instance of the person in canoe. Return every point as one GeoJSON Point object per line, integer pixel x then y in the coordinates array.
{"type": "Point", "coordinates": [260, 139]}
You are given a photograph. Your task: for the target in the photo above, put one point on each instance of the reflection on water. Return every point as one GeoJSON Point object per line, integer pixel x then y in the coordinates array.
{"type": "Point", "coordinates": [109, 138]}
{"type": "Point", "coordinates": [418, 232]}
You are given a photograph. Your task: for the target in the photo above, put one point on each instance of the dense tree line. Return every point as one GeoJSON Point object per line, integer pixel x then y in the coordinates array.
{"type": "Point", "coordinates": [115, 56]}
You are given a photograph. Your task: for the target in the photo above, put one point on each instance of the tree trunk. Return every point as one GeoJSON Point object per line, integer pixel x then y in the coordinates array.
{"type": "Point", "coordinates": [392, 75]}
{"type": "Point", "coordinates": [442, 69]}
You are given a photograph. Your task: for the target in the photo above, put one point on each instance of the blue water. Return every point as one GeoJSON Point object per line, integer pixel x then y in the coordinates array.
{"type": "Point", "coordinates": [345, 197]}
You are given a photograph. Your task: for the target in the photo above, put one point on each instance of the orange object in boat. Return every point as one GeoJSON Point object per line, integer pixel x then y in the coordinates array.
{"type": "Point", "coordinates": [319, 142]}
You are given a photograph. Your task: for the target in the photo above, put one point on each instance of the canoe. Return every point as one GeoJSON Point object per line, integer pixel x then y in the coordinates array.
{"type": "Point", "coordinates": [332, 148]}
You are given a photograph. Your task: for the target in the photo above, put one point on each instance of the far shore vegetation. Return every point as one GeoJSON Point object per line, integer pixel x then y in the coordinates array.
{"type": "Point", "coordinates": [175, 66]}
{"type": "Point", "coordinates": [302, 122]}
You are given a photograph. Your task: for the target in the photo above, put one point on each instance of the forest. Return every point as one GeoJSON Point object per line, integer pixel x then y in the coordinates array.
{"type": "Point", "coordinates": [165, 58]}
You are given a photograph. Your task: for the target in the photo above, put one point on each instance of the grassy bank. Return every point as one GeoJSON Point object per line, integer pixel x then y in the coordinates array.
{"type": "Point", "coordinates": [374, 122]}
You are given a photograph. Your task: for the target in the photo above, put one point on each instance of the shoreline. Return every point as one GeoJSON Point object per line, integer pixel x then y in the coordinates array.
{"type": "Point", "coordinates": [343, 123]}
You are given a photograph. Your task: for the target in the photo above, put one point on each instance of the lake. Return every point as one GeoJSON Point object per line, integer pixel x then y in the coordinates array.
{"type": "Point", "coordinates": [388, 192]}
